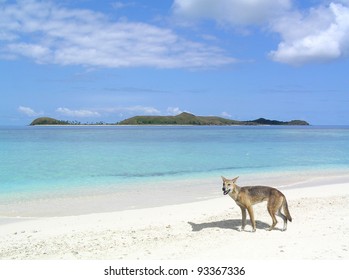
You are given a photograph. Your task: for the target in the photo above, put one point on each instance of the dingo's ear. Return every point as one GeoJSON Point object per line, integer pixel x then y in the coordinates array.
{"type": "Point", "coordinates": [224, 179]}
{"type": "Point", "coordinates": [235, 179]}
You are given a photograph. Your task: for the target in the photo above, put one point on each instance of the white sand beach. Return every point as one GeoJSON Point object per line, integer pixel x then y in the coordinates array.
{"type": "Point", "coordinates": [203, 230]}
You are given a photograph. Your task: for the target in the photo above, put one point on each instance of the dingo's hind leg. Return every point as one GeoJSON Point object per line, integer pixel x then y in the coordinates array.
{"type": "Point", "coordinates": [272, 215]}
{"type": "Point", "coordinates": [274, 205]}
{"type": "Point", "coordinates": [284, 219]}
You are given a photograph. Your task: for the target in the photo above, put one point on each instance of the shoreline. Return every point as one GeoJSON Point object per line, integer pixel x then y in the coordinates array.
{"type": "Point", "coordinates": [156, 194]}
{"type": "Point", "coordinates": [194, 230]}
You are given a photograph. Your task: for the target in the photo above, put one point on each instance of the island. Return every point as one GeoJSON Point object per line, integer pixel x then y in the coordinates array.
{"type": "Point", "coordinates": [52, 121]}
{"type": "Point", "coordinates": [190, 119]}
{"type": "Point", "coordinates": [48, 121]}
{"type": "Point", "coordinates": [181, 119]}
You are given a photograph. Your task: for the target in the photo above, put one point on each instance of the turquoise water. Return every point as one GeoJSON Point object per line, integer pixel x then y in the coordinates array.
{"type": "Point", "coordinates": [34, 160]}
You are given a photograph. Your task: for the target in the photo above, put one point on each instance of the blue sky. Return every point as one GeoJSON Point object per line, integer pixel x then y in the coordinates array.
{"type": "Point", "coordinates": [106, 60]}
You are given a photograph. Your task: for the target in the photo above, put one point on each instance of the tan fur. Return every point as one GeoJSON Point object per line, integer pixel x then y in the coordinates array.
{"type": "Point", "coordinates": [246, 197]}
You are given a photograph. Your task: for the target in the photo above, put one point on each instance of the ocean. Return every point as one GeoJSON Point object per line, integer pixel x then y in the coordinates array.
{"type": "Point", "coordinates": [44, 161]}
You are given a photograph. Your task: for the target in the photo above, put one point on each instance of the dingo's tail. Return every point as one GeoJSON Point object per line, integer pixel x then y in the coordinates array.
{"type": "Point", "coordinates": [286, 211]}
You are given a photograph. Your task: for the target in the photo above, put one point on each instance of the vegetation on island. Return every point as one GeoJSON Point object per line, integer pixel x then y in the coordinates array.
{"type": "Point", "coordinates": [262, 121]}
{"type": "Point", "coordinates": [181, 119]}
{"type": "Point", "coordinates": [48, 121]}
{"type": "Point", "coordinates": [190, 119]}
{"type": "Point", "coordinates": [52, 121]}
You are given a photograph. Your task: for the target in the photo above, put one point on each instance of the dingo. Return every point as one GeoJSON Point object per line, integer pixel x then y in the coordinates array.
{"type": "Point", "coordinates": [245, 197]}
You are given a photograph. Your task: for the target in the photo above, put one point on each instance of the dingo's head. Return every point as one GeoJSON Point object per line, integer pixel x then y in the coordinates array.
{"type": "Point", "coordinates": [228, 185]}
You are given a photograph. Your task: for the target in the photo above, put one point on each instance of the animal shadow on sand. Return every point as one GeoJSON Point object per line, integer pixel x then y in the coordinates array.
{"type": "Point", "coordinates": [233, 224]}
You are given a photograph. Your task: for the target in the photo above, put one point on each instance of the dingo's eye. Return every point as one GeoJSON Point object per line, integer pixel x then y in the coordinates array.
{"type": "Point", "coordinates": [229, 185]}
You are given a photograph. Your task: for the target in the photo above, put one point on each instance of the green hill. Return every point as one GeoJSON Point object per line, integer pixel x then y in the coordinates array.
{"type": "Point", "coordinates": [190, 119]}
{"type": "Point", "coordinates": [51, 121]}
{"type": "Point", "coordinates": [262, 121]}
{"type": "Point", "coordinates": [181, 119]}
{"type": "Point", "coordinates": [48, 121]}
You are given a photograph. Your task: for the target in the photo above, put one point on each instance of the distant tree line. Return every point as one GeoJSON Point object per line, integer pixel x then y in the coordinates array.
{"type": "Point", "coordinates": [52, 121]}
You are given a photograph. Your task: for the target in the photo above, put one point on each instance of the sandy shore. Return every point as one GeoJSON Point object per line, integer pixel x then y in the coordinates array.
{"type": "Point", "coordinates": [199, 230]}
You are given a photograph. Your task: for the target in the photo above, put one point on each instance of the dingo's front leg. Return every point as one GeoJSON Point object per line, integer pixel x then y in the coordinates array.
{"type": "Point", "coordinates": [243, 219]}
{"type": "Point", "coordinates": [253, 222]}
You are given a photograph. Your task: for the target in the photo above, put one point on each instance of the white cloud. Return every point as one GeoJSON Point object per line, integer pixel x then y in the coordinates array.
{"type": "Point", "coordinates": [49, 33]}
{"type": "Point", "coordinates": [121, 5]}
{"type": "Point", "coordinates": [226, 115]}
{"type": "Point", "coordinates": [121, 111]}
{"type": "Point", "coordinates": [28, 111]}
{"type": "Point", "coordinates": [142, 110]}
{"type": "Point", "coordinates": [234, 12]}
{"type": "Point", "coordinates": [316, 34]}
{"type": "Point", "coordinates": [174, 111]}
{"type": "Point", "coordinates": [133, 110]}
{"type": "Point", "coordinates": [320, 35]}
{"type": "Point", "coordinates": [77, 113]}
{"type": "Point", "coordinates": [38, 52]}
